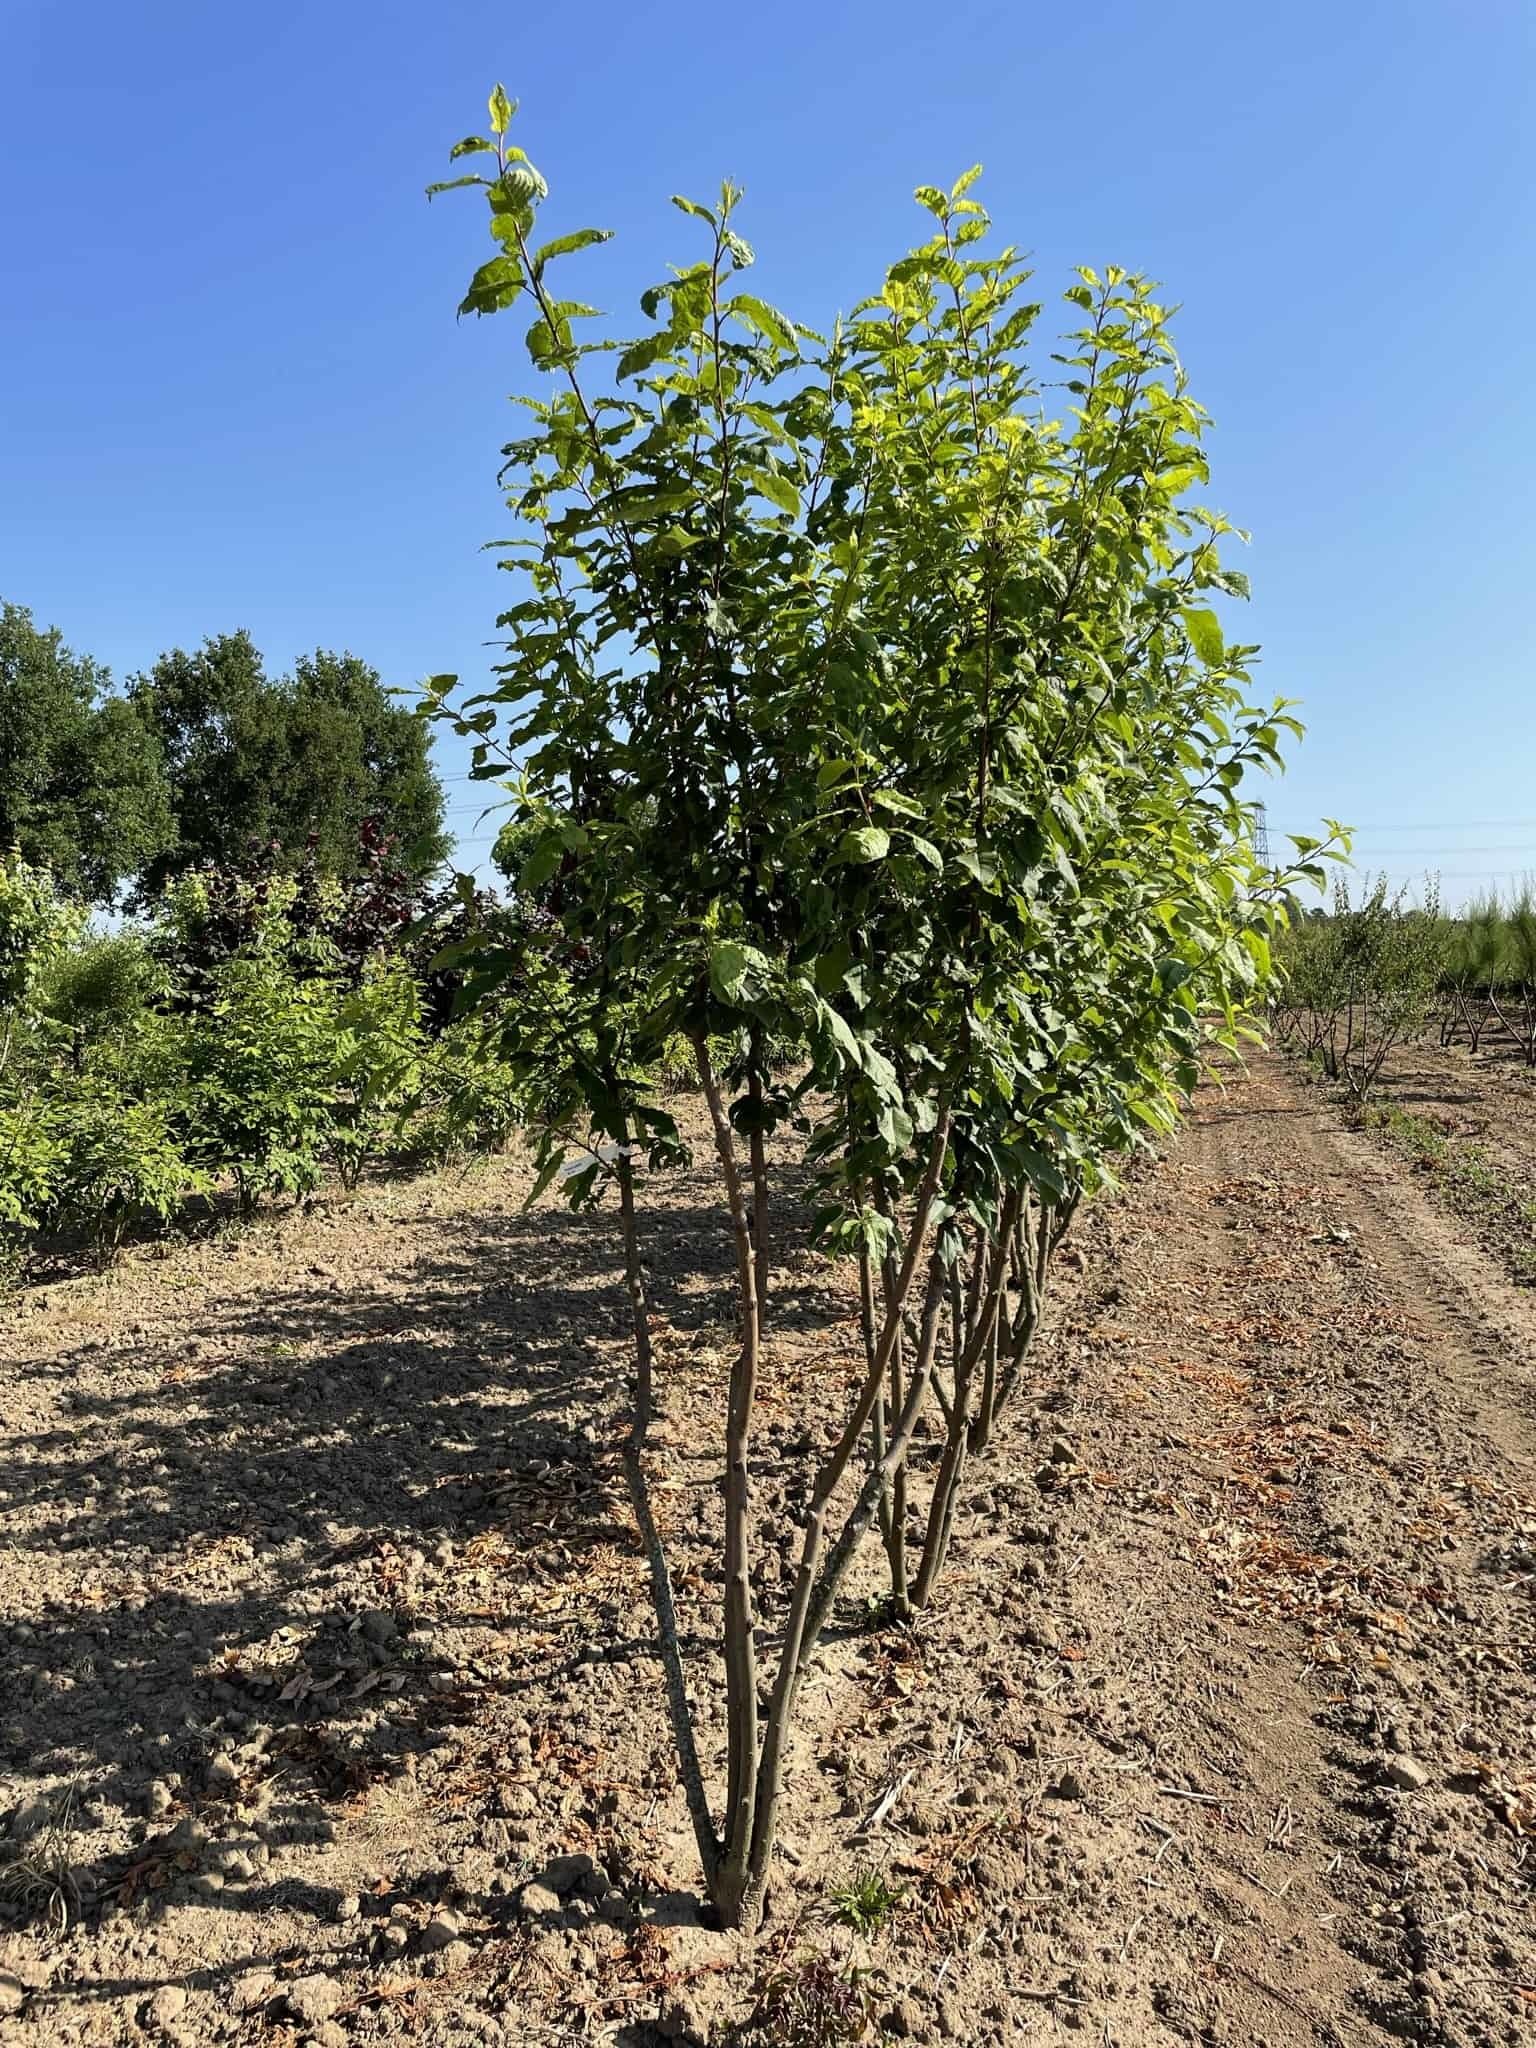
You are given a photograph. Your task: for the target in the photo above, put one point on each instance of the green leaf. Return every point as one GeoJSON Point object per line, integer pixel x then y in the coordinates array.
{"type": "Point", "coordinates": [841, 1033]}
{"type": "Point", "coordinates": [778, 490]}
{"type": "Point", "coordinates": [547, 1172]}
{"type": "Point", "coordinates": [692, 206]}
{"type": "Point", "coordinates": [1204, 631]}
{"type": "Point", "coordinates": [982, 867]}
{"type": "Point", "coordinates": [501, 110]}
{"type": "Point", "coordinates": [895, 1127]}
{"type": "Point", "coordinates": [494, 285]}
{"type": "Point", "coordinates": [864, 843]}
{"type": "Point", "coordinates": [642, 355]}
{"type": "Point", "coordinates": [677, 540]}
{"type": "Point", "coordinates": [567, 245]}
{"type": "Point", "coordinates": [472, 145]}
{"type": "Point", "coordinates": [729, 964]}
{"type": "Point", "coordinates": [542, 862]}
{"type": "Point", "coordinates": [522, 183]}
{"type": "Point", "coordinates": [893, 800]}
{"type": "Point", "coordinates": [760, 416]}
{"type": "Point", "coordinates": [764, 319]}
{"type": "Point", "coordinates": [579, 1187]}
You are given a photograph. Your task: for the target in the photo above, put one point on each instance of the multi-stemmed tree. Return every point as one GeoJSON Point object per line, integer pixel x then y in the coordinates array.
{"type": "Point", "coordinates": [863, 694]}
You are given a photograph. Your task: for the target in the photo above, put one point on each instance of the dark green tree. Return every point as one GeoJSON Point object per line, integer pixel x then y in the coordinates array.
{"type": "Point", "coordinates": [301, 762]}
{"type": "Point", "coordinates": [82, 780]}
{"type": "Point", "coordinates": [218, 722]}
{"type": "Point", "coordinates": [355, 755]}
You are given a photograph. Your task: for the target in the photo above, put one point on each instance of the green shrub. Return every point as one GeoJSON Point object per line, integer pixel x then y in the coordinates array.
{"type": "Point", "coordinates": [377, 1053]}
{"type": "Point", "coordinates": [37, 925]}
{"type": "Point", "coordinates": [122, 1164]}
{"type": "Point", "coordinates": [469, 1099]}
{"type": "Point", "coordinates": [1363, 980]}
{"type": "Point", "coordinates": [261, 1025]}
{"type": "Point", "coordinates": [263, 1095]}
{"type": "Point", "coordinates": [101, 994]}
{"type": "Point", "coordinates": [32, 1155]}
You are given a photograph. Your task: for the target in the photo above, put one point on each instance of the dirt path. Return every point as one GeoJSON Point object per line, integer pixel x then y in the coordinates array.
{"type": "Point", "coordinates": [1309, 1567]}
{"type": "Point", "coordinates": [1466, 1123]}
{"type": "Point", "coordinates": [320, 1590]}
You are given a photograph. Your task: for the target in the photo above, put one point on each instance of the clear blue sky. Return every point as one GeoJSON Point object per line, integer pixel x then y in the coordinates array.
{"type": "Point", "coordinates": [232, 389]}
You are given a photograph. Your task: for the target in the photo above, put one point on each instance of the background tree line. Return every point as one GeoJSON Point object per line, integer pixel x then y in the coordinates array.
{"type": "Point", "coordinates": [117, 792]}
{"type": "Point", "coordinates": [267, 1005]}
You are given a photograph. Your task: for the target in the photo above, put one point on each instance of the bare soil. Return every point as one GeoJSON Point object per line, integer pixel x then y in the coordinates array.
{"type": "Point", "coordinates": [329, 1709]}
{"type": "Point", "coordinates": [1482, 1107]}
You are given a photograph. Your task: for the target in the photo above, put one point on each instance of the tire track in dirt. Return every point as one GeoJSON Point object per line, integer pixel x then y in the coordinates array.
{"type": "Point", "coordinates": [1295, 1600]}
{"type": "Point", "coordinates": [1221, 1730]}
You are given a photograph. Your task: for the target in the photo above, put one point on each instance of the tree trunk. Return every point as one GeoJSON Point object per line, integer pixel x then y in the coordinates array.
{"type": "Point", "coordinates": [740, 1646]}
{"type": "Point", "coordinates": [815, 1591]}
{"type": "Point", "coordinates": [979, 1337]}
{"type": "Point", "coordinates": [670, 1640]}
{"type": "Point", "coordinates": [758, 1160]}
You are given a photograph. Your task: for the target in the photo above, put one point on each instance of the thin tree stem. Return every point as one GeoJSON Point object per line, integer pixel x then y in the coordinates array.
{"type": "Point", "coordinates": [877, 1420]}
{"type": "Point", "coordinates": [980, 1337]}
{"type": "Point", "coordinates": [757, 1154]}
{"type": "Point", "coordinates": [670, 1640]}
{"type": "Point", "coordinates": [740, 1646]}
{"type": "Point", "coordinates": [815, 1591]}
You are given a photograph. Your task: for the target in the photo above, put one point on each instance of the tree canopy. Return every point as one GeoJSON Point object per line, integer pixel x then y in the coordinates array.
{"type": "Point", "coordinates": [863, 693]}
{"type": "Point", "coordinates": [303, 761]}
{"type": "Point", "coordinates": [82, 780]}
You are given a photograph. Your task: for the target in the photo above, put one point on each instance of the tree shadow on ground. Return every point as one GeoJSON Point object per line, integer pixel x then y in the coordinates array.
{"type": "Point", "coordinates": [203, 1525]}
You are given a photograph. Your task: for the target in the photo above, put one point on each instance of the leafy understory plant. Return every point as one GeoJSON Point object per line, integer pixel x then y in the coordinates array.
{"type": "Point", "coordinates": [866, 1902]}
{"type": "Point", "coordinates": [123, 1165]}
{"type": "Point", "coordinates": [811, 2003]}
{"type": "Point", "coordinates": [863, 693]}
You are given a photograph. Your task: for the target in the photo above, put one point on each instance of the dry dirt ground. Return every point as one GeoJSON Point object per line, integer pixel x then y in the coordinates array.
{"type": "Point", "coordinates": [1488, 1096]}
{"type": "Point", "coordinates": [329, 1711]}
{"type": "Point", "coordinates": [1482, 1106]}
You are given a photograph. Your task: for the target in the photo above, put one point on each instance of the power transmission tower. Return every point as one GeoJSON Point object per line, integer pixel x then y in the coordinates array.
{"type": "Point", "coordinates": [1261, 835]}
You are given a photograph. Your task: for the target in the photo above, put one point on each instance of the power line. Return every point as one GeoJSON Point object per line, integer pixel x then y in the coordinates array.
{"type": "Point", "coordinates": [1429, 852]}
{"type": "Point", "coordinates": [1480, 874]}
{"type": "Point", "coordinates": [1465, 825]}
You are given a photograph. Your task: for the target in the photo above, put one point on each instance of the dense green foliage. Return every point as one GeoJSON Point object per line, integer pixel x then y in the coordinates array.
{"type": "Point", "coordinates": [253, 1035]}
{"type": "Point", "coordinates": [878, 761]}
{"type": "Point", "coordinates": [863, 694]}
{"type": "Point", "coordinates": [1490, 974]}
{"type": "Point", "coordinates": [203, 760]}
{"type": "Point", "coordinates": [82, 784]}
{"type": "Point", "coordinates": [1371, 974]}
{"type": "Point", "coordinates": [301, 763]}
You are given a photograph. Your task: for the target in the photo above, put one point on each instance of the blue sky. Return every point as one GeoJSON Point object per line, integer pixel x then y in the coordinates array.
{"type": "Point", "coordinates": [233, 392]}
